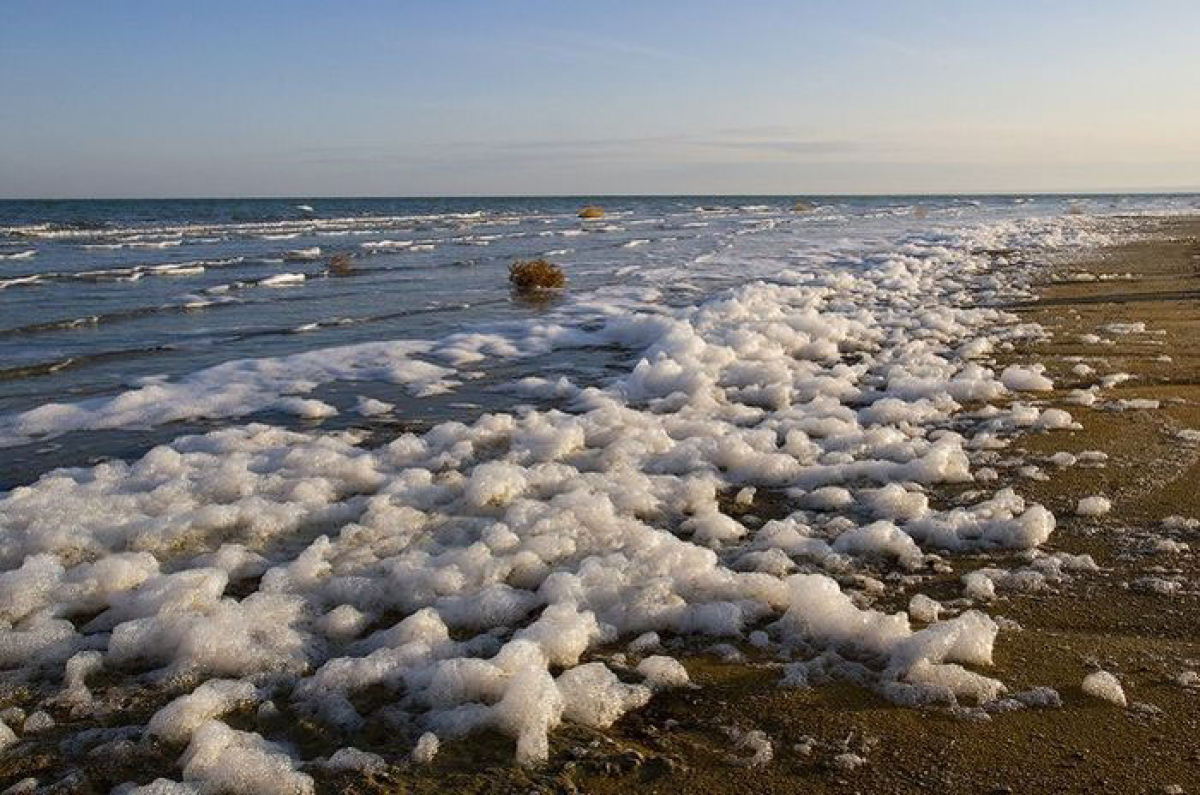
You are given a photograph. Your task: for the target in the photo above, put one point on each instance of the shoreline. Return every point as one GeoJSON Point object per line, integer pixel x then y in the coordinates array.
{"type": "Point", "coordinates": [1113, 618]}
{"type": "Point", "coordinates": [839, 736]}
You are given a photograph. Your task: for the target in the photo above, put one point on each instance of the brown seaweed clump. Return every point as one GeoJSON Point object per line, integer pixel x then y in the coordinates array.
{"type": "Point", "coordinates": [591, 212]}
{"type": "Point", "coordinates": [535, 274]}
{"type": "Point", "coordinates": [340, 265]}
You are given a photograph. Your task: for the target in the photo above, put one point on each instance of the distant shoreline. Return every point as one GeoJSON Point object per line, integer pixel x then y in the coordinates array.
{"type": "Point", "coordinates": [1096, 193]}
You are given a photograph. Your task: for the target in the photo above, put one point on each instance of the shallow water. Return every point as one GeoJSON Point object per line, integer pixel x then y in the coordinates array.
{"type": "Point", "coordinates": [97, 295]}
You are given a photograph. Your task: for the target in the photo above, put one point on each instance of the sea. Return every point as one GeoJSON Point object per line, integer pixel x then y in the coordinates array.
{"type": "Point", "coordinates": [100, 296]}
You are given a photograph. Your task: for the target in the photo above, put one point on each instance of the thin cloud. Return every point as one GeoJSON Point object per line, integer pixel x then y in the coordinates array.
{"type": "Point", "coordinates": [682, 148]}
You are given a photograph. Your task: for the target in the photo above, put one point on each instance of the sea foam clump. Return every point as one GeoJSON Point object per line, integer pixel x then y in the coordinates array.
{"type": "Point", "coordinates": [1096, 505]}
{"type": "Point", "coordinates": [460, 578]}
{"type": "Point", "coordinates": [1103, 685]}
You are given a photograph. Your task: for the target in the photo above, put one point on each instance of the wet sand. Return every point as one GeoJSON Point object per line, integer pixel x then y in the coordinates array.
{"type": "Point", "coordinates": [687, 740]}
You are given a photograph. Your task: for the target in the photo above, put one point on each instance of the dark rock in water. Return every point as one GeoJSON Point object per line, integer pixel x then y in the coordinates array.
{"type": "Point", "coordinates": [341, 265]}
{"type": "Point", "coordinates": [591, 212]}
{"type": "Point", "coordinates": [803, 207]}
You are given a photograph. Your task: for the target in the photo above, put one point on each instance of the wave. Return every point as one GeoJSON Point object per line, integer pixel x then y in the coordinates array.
{"type": "Point", "coordinates": [161, 235]}
{"type": "Point", "coordinates": [303, 254]}
{"type": "Point", "coordinates": [20, 281]}
{"type": "Point", "coordinates": [187, 303]}
{"type": "Point", "coordinates": [282, 280]}
{"type": "Point", "coordinates": [39, 369]}
{"type": "Point", "coordinates": [385, 245]}
{"type": "Point", "coordinates": [134, 243]}
{"type": "Point", "coordinates": [177, 270]}
{"type": "Point", "coordinates": [154, 243]}
{"type": "Point", "coordinates": [129, 274]}
{"type": "Point", "coordinates": [217, 298]}
{"type": "Point", "coordinates": [52, 325]}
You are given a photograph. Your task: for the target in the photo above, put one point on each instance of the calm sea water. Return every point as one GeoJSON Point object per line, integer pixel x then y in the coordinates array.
{"type": "Point", "coordinates": [97, 295]}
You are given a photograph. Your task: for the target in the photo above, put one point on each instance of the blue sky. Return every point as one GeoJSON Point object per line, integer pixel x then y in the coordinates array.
{"type": "Point", "coordinates": [510, 97]}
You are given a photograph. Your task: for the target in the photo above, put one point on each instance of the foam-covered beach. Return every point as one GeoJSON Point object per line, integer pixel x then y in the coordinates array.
{"type": "Point", "coordinates": [786, 491]}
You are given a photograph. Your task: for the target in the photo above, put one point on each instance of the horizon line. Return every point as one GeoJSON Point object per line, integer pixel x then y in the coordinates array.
{"type": "Point", "coordinates": [1179, 191]}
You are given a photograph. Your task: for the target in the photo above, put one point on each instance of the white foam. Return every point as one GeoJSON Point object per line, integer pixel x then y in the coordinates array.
{"type": "Point", "coordinates": [7, 736]}
{"type": "Point", "coordinates": [370, 407]}
{"type": "Point", "coordinates": [304, 254]}
{"type": "Point", "coordinates": [922, 608]}
{"type": "Point", "coordinates": [351, 759]}
{"type": "Point", "coordinates": [470, 573]}
{"type": "Point", "coordinates": [426, 748]}
{"type": "Point", "coordinates": [1103, 685]}
{"type": "Point", "coordinates": [234, 389]}
{"type": "Point", "coordinates": [221, 759]}
{"type": "Point", "coordinates": [283, 280]}
{"type": "Point", "coordinates": [594, 696]}
{"type": "Point", "coordinates": [1096, 505]}
{"type": "Point", "coordinates": [386, 245]}
{"type": "Point", "coordinates": [178, 721]}
{"type": "Point", "coordinates": [1026, 379]}
{"type": "Point", "coordinates": [663, 672]}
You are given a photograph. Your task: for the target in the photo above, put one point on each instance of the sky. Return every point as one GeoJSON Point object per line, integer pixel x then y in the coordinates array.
{"type": "Point", "coordinates": [516, 97]}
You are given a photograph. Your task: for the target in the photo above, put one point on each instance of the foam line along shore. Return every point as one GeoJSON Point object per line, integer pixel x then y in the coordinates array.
{"type": "Point", "coordinates": [818, 433]}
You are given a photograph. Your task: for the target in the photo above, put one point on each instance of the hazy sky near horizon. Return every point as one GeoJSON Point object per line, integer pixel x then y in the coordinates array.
{"type": "Point", "coordinates": [300, 97]}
